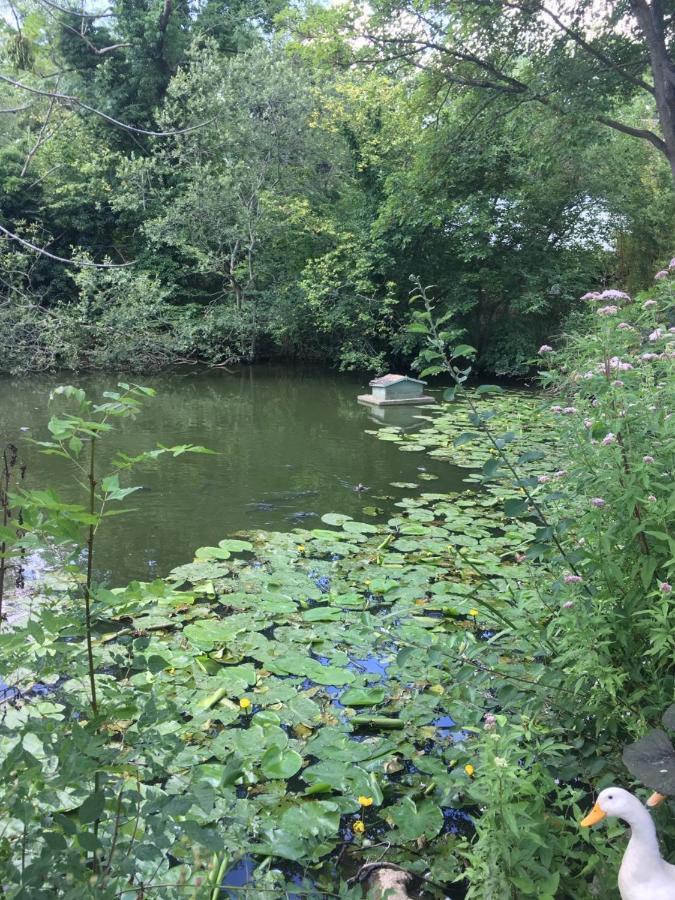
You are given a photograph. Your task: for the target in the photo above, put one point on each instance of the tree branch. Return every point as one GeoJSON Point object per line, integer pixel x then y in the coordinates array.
{"type": "Point", "coordinates": [69, 100]}
{"type": "Point", "coordinates": [643, 133]}
{"type": "Point", "coordinates": [69, 262]}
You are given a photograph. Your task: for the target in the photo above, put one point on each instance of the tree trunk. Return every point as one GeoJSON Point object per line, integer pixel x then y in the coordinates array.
{"type": "Point", "coordinates": [650, 19]}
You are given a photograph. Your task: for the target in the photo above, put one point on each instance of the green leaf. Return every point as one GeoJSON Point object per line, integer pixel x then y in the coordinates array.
{"type": "Point", "coordinates": [515, 508]}
{"type": "Point", "coordinates": [92, 807]}
{"type": "Point", "coordinates": [464, 350]}
{"type": "Point", "coordinates": [335, 519]}
{"type": "Point", "coordinates": [280, 762]}
{"type": "Point", "coordinates": [235, 546]}
{"type": "Point", "coordinates": [363, 696]}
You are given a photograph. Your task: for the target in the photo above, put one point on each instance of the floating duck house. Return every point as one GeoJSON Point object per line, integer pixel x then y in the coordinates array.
{"type": "Point", "coordinates": [396, 390]}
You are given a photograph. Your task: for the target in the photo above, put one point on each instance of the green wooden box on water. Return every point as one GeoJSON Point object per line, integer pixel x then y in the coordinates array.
{"type": "Point", "coordinates": [393, 390]}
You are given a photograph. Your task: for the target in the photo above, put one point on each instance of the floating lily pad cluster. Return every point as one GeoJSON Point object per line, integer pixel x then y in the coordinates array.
{"type": "Point", "coordinates": [255, 697]}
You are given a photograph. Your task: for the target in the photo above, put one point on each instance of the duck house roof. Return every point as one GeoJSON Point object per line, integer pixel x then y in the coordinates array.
{"type": "Point", "coordinates": [387, 380]}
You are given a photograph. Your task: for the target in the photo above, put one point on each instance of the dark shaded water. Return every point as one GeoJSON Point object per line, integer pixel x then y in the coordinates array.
{"type": "Point", "coordinates": [291, 446]}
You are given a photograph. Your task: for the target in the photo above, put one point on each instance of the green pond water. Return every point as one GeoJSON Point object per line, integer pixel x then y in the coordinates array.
{"type": "Point", "coordinates": [291, 445]}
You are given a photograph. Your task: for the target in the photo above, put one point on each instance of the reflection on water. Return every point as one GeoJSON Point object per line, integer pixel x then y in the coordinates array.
{"type": "Point", "coordinates": [291, 446]}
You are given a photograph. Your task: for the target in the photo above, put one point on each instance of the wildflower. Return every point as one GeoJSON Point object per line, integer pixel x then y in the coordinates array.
{"type": "Point", "coordinates": [648, 459]}
{"type": "Point", "coordinates": [490, 722]}
{"type": "Point", "coordinates": [671, 264]}
{"type": "Point", "coordinates": [245, 703]}
{"type": "Point", "coordinates": [568, 604]}
{"type": "Point", "coordinates": [608, 310]}
{"type": "Point", "coordinates": [648, 357]}
{"type": "Point", "coordinates": [556, 409]}
{"type": "Point", "coordinates": [561, 473]}
{"type": "Point", "coordinates": [624, 326]}
{"type": "Point", "coordinates": [569, 410]}
{"type": "Point", "coordinates": [616, 363]}
{"type": "Point", "coordinates": [648, 304]}
{"type": "Point", "coordinates": [358, 827]}
{"type": "Point", "coordinates": [665, 587]}
{"type": "Point", "coordinates": [469, 769]}
{"type": "Point", "coordinates": [500, 762]}
{"type": "Point", "coordinates": [656, 334]}
{"type": "Point", "coordinates": [301, 548]}
{"type": "Point", "coordinates": [520, 557]}
{"type": "Point", "coordinates": [651, 498]}
{"type": "Point", "coordinates": [617, 383]}
{"type": "Point", "coordinates": [545, 348]}
{"type": "Point", "coordinates": [608, 439]}
{"type": "Point", "coordinates": [598, 502]}
{"type": "Point", "coordinates": [591, 295]}
{"type": "Point", "coordinates": [614, 295]}
{"type": "Point", "coordinates": [573, 579]}
{"type": "Point", "coordinates": [543, 479]}
{"type": "Point", "coordinates": [662, 274]}
{"type": "Point", "coordinates": [473, 612]}
{"type": "Point", "coordinates": [365, 801]}
{"type": "Point", "coordinates": [588, 423]}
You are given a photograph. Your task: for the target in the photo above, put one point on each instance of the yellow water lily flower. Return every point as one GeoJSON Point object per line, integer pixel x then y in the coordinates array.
{"type": "Point", "coordinates": [244, 703]}
{"type": "Point", "coordinates": [365, 801]}
{"type": "Point", "coordinates": [358, 827]}
{"type": "Point", "coordinates": [301, 548]}
{"type": "Point", "coordinates": [469, 769]}
{"type": "Point", "coordinates": [473, 612]}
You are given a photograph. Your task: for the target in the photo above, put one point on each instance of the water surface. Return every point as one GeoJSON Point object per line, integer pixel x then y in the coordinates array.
{"type": "Point", "coordinates": [291, 445]}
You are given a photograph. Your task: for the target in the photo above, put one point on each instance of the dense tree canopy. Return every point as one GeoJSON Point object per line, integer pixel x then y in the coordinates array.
{"type": "Point", "coordinates": [271, 177]}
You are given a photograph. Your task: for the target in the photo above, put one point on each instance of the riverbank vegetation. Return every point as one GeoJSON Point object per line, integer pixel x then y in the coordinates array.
{"type": "Point", "coordinates": [267, 178]}
{"type": "Point", "coordinates": [443, 690]}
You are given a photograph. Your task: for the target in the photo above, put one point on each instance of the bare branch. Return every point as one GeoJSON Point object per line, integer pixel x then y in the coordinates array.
{"type": "Point", "coordinates": [80, 15]}
{"type": "Point", "coordinates": [69, 100]}
{"type": "Point", "coordinates": [42, 137]}
{"type": "Point", "coordinates": [70, 262]}
{"type": "Point", "coordinates": [16, 109]}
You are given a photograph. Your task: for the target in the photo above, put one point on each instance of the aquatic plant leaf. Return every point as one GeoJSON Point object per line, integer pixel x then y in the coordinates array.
{"type": "Point", "coordinates": [413, 821]}
{"type": "Point", "coordinates": [652, 761]}
{"type": "Point", "coordinates": [668, 719]}
{"type": "Point", "coordinates": [235, 546]}
{"type": "Point", "coordinates": [335, 519]}
{"type": "Point", "coordinates": [363, 696]}
{"type": "Point", "coordinates": [211, 553]}
{"type": "Point", "coordinates": [279, 762]}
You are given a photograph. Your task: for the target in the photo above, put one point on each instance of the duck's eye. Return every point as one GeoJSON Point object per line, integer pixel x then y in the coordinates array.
{"type": "Point", "coordinates": [610, 797]}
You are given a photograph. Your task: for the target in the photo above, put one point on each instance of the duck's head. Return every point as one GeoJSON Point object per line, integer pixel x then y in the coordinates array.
{"type": "Point", "coordinates": [613, 801]}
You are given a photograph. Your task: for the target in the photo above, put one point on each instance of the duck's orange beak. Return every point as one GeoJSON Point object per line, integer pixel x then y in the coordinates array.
{"type": "Point", "coordinates": [595, 815]}
{"type": "Point", "coordinates": [655, 799]}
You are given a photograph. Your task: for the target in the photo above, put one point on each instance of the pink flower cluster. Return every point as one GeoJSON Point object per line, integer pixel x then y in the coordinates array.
{"type": "Point", "coordinates": [607, 295]}
{"type": "Point", "coordinates": [608, 310]}
{"type": "Point", "coordinates": [490, 722]}
{"type": "Point", "coordinates": [649, 303]}
{"type": "Point", "coordinates": [545, 348]}
{"type": "Point", "coordinates": [616, 363]}
{"type": "Point", "coordinates": [665, 587]}
{"type": "Point", "coordinates": [656, 334]}
{"type": "Point", "coordinates": [573, 579]}
{"type": "Point", "coordinates": [608, 439]}
{"type": "Point", "coordinates": [598, 502]}
{"type": "Point", "coordinates": [648, 459]}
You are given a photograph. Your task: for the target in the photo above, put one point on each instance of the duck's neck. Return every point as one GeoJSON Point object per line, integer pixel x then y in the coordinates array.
{"type": "Point", "coordinates": [643, 844]}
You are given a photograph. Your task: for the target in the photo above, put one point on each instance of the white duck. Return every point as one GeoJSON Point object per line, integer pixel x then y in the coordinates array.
{"type": "Point", "coordinates": [643, 875]}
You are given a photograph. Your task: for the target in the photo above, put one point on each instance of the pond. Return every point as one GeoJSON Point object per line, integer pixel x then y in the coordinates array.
{"type": "Point", "coordinates": [291, 445]}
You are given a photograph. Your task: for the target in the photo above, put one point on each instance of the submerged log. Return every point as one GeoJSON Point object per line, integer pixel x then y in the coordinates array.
{"type": "Point", "coordinates": [385, 881]}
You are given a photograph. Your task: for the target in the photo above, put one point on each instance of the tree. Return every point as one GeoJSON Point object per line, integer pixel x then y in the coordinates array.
{"type": "Point", "coordinates": [578, 59]}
